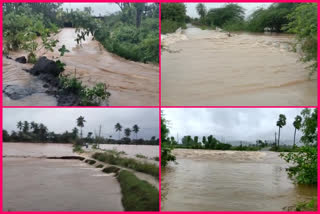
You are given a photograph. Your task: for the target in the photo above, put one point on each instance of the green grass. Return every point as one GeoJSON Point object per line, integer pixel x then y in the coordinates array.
{"type": "Point", "coordinates": [130, 163]}
{"type": "Point", "coordinates": [137, 195]}
{"type": "Point", "coordinates": [77, 148]}
{"type": "Point", "coordinates": [141, 156]}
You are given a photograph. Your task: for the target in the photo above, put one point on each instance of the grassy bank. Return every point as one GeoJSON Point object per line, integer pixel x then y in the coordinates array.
{"type": "Point", "coordinates": [114, 159]}
{"type": "Point", "coordinates": [138, 195]}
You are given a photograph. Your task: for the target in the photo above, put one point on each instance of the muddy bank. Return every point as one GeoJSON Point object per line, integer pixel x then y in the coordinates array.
{"type": "Point", "coordinates": [57, 185]}
{"type": "Point", "coordinates": [229, 181]}
{"type": "Point", "coordinates": [130, 83]}
{"type": "Point", "coordinates": [210, 68]}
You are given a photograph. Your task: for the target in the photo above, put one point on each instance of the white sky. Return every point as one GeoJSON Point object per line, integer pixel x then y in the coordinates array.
{"type": "Point", "coordinates": [62, 119]}
{"type": "Point", "coordinates": [249, 7]}
{"type": "Point", "coordinates": [98, 8]}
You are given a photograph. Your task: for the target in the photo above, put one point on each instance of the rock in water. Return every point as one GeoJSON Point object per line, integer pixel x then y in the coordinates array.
{"type": "Point", "coordinates": [16, 92]}
{"type": "Point", "coordinates": [21, 59]}
{"type": "Point", "coordinates": [45, 66]}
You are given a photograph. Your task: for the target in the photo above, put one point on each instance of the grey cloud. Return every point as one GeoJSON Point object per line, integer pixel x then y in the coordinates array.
{"type": "Point", "coordinates": [248, 124]}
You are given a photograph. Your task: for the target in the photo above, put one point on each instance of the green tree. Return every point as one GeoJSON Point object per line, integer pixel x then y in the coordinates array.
{"type": "Point", "coordinates": [127, 132]}
{"type": "Point", "coordinates": [26, 127]}
{"type": "Point", "coordinates": [297, 126]}
{"type": "Point", "coordinates": [304, 161]}
{"type": "Point", "coordinates": [136, 129]}
{"type": "Point", "coordinates": [20, 125]}
{"type": "Point", "coordinates": [166, 146]}
{"type": "Point", "coordinates": [202, 11]}
{"type": "Point", "coordinates": [139, 11]}
{"type": "Point", "coordinates": [304, 24]}
{"type": "Point", "coordinates": [80, 123]}
{"type": "Point", "coordinates": [118, 128]}
{"type": "Point", "coordinates": [281, 123]}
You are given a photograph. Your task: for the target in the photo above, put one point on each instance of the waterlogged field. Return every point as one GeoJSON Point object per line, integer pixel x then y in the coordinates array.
{"type": "Point", "coordinates": [229, 181]}
{"type": "Point", "coordinates": [60, 185]}
{"type": "Point", "coordinates": [206, 67]}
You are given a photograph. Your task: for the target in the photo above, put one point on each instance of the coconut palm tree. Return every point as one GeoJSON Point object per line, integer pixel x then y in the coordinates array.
{"type": "Point", "coordinates": [80, 123]}
{"type": "Point", "coordinates": [297, 125]}
{"type": "Point", "coordinates": [136, 129]}
{"type": "Point", "coordinates": [281, 123]}
{"type": "Point", "coordinates": [19, 125]}
{"type": "Point", "coordinates": [118, 128]}
{"type": "Point", "coordinates": [25, 127]}
{"type": "Point", "coordinates": [127, 132]}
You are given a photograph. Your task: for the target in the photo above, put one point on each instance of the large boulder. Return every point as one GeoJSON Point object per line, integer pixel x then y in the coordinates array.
{"type": "Point", "coordinates": [45, 66]}
{"type": "Point", "coordinates": [47, 70]}
{"type": "Point", "coordinates": [21, 59]}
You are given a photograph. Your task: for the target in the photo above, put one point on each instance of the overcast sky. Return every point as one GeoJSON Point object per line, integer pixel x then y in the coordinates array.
{"type": "Point", "coordinates": [98, 8]}
{"type": "Point", "coordinates": [62, 119]}
{"type": "Point", "coordinates": [231, 123]}
{"type": "Point", "coordinates": [249, 7]}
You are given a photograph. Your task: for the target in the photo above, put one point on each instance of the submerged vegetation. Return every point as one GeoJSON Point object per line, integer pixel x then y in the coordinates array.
{"type": "Point", "coordinates": [116, 159]}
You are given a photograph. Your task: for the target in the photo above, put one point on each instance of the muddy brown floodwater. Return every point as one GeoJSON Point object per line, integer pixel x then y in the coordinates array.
{"type": "Point", "coordinates": [31, 183]}
{"type": "Point", "coordinates": [229, 181]}
{"type": "Point", "coordinates": [206, 67]}
{"type": "Point", "coordinates": [130, 83]}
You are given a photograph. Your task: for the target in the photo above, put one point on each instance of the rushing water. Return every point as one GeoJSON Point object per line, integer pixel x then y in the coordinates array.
{"type": "Point", "coordinates": [130, 83]}
{"type": "Point", "coordinates": [206, 67]}
{"type": "Point", "coordinates": [132, 150]}
{"type": "Point", "coordinates": [204, 180]}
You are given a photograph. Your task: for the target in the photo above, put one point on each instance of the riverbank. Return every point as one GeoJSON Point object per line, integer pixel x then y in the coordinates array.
{"type": "Point", "coordinates": [217, 67]}
{"type": "Point", "coordinates": [130, 83]}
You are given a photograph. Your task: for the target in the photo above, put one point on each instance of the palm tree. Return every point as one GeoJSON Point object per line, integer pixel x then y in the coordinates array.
{"type": "Point", "coordinates": [281, 122]}
{"type": "Point", "coordinates": [19, 125]}
{"type": "Point", "coordinates": [202, 11]}
{"type": "Point", "coordinates": [297, 125]}
{"type": "Point", "coordinates": [136, 129]}
{"type": "Point", "coordinates": [118, 128]}
{"type": "Point", "coordinates": [26, 127]}
{"type": "Point", "coordinates": [80, 123]}
{"type": "Point", "coordinates": [127, 132]}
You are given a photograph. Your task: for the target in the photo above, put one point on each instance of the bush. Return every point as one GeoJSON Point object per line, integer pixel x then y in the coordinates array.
{"type": "Point", "coordinates": [169, 26]}
{"type": "Point", "coordinates": [137, 195]}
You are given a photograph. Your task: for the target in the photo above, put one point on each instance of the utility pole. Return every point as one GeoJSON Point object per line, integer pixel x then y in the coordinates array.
{"type": "Point", "coordinates": [99, 136]}
{"type": "Point", "coordinates": [275, 139]}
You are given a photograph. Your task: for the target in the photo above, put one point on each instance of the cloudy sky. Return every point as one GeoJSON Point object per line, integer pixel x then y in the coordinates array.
{"type": "Point", "coordinates": [249, 7]}
{"type": "Point", "coordinates": [62, 119]}
{"type": "Point", "coordinates": [231, 124]}
{"type": "Point", "coordinates": [98, 8]}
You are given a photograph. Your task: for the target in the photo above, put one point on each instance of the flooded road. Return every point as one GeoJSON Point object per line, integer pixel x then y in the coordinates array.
{"type": "Point", "coordinates": [132, 150]}
{"type": "Point", "coordinates": [206, 180]}
{"type": "Point", "coordinates": [130, 83]}
{"type": "Point", "coordinates": [32, 183]}
{"type": "Point", "coordinates": [206, 67]}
